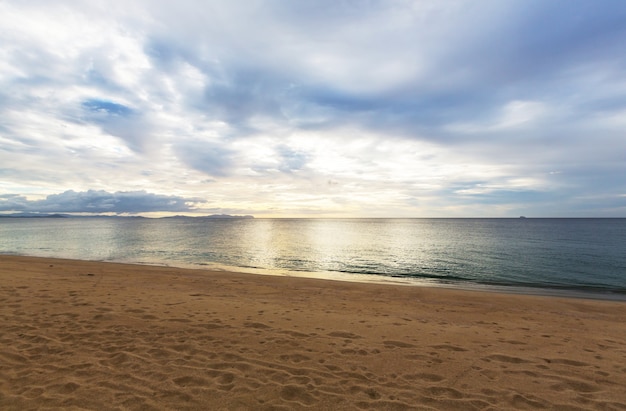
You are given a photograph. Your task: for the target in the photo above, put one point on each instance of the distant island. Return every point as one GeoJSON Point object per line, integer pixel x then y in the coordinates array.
{"type": "Point", "coordinates": [38, 215]}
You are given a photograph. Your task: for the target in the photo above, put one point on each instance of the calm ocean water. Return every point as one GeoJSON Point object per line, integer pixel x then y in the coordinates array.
{"type": "Point", "coordinates": [586, 255]}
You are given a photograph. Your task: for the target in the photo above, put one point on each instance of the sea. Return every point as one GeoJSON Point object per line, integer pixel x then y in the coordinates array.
{"type": "Point", "coordinates": [562, 256]}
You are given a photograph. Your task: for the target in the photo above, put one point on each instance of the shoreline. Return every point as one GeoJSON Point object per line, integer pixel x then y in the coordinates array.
{"type": "Point", "coordinates": [586, 293]}
{"type": "Point", "coordinates": [556, 291]}
{"type": "Point", "coordinates": [93, 335]}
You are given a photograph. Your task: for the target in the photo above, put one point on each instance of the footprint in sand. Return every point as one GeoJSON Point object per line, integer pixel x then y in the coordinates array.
{"type": "Point", "coordinates": [297, 394]}
{"type": "Point", "coordinates": [448, 347]}
{"type": "Point", "coordinates": [397, 344]}
{"type": "Point", "coordinates": [424, 377]}
{"type": "Point", "coordinates": [189, 380]}
{"type": "Point", "coordinates": [505, 358]}
{"type": "Point", "coordinates": [344, 334]}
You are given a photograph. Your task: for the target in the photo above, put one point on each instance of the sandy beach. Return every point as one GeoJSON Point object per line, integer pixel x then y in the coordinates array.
{"type": "Point", "coordinates": [81, 335]}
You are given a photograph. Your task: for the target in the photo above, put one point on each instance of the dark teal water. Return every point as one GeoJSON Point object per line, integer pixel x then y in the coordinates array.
{"type": "Point", "coordinates": [550, 254]}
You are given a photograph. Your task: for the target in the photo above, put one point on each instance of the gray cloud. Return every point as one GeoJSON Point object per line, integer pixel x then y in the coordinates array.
{"type": "Point", "coordinates": [209, 158]}
{"type": "Point", "coordinates": [291, 160]}
{"type": "Point", "coordinates": [100, 201]}
{"type": "Point", "coordinates": [118, 120]}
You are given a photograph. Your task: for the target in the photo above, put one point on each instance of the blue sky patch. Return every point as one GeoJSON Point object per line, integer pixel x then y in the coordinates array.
{"type": "Point", "coordinates": [108, 107]}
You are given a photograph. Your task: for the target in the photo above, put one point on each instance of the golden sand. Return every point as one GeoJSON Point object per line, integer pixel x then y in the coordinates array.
{"type": "Point", "coordinates": [102, 336]}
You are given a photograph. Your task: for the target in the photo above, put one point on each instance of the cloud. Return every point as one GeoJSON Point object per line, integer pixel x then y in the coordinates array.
{"type": "Point", "coordinates": [98, 202]}
{"type": "Point", "coordinates": [205, 157]}
{"type": "Point", "coordinates": [256, 105]}
{"type": "Point", "coordinates": [118, 120]}
{"type": "Point", "coordinates": [291, 160]}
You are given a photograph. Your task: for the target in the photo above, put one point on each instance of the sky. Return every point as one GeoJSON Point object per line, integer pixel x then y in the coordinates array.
{"type": "Point", "coordinates": [314, 108]}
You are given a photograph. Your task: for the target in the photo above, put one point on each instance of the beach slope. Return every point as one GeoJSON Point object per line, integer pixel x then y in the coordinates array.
{"type": "Point", "coordinates": [103, 336]}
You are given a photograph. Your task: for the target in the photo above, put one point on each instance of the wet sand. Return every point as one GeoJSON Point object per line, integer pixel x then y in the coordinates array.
{"type": "Point", "coordinates": [103, 336]}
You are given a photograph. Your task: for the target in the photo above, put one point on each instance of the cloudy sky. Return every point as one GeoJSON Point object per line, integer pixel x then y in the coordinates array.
{"type": "Point", "coordinates": [329, 108]}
